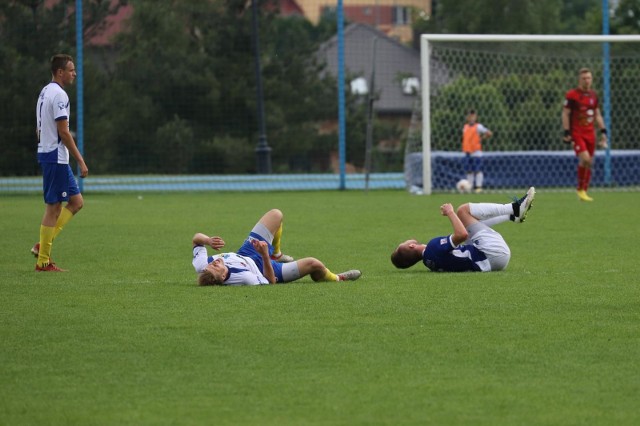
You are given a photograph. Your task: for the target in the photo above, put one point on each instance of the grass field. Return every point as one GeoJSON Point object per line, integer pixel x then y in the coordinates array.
{"type": "Point", "coordinates": [126, 337]}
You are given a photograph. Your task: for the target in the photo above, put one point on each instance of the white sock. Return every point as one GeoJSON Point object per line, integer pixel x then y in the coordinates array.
{"type": "Point", "coordinates": [470, 178]}
{"type": "Point", "coordinates": [484, 211]}
{"type": "Point", "coordinates": [479, 179]}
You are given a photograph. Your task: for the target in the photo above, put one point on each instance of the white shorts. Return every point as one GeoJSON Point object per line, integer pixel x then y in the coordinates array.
{"type": "Point", "coordinates": [491, 243]}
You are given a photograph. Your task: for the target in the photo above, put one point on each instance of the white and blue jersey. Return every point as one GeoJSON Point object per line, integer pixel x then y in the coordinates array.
{"type": "Point", "coordinates": [245, 266]}
{"type": "Point", "coordinates": [242, 270]}
{"type": "Point", "coordinates": [247, 250]}
{"type": "Point", "coordinates": [53, 105]}
{"type": "Point", "coordinates": [441, 255]}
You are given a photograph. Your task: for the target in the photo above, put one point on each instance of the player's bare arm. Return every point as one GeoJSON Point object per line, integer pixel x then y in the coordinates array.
{"type": "Point", "coordinates": [566, 115]}
{"type": "Point", "coordinates": [67, 140]}
{"type": "Point", "coordinates": [603, 129]}
{"type": "Point", "coordinates": [263, 249]}
{"type": "Point", "coordinates": [460, 233]}
{"type": "Point", "coordinates": [201, 239]}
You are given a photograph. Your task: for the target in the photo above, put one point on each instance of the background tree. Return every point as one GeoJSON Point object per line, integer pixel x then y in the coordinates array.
{"type": "Point", "coordinates": [528, 17]}
{"type": "Point", "coordinates": [626, 19]}
{"type": "Point", "coordinates": [493, 17]}
{"type": "Point", "coordinates": [175, 92]}
{"type": "Point", "coordinates": [188, 69]}
{"type": "Point", "coordinates": [31, 33]}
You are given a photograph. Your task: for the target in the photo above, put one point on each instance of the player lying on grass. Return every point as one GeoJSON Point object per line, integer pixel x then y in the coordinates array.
{"type": "Point", "coordinates": [474, 246]}
{"type": "Point", "coordinates": [259, 260]}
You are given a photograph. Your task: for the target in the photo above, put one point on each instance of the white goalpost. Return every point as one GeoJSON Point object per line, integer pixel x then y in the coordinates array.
{"type": "Point", "coordinates": [520, 93]}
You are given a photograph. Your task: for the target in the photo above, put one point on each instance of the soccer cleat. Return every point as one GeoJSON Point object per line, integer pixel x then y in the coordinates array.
{"type": "Point", "coordinates": [478, 190]}
{"type": "Point", "coordinates": [35, 250]}
{"type": "Point", "coordinates": [582, 195]}
{"type": "Point", "coordinates": [351, 275]}
{"type": "Point", "coordinates": [282, 258]}
{"type": "Point", "coordinates": [521, 206]}
{"type": "Point", "coordinates": [49, 267]}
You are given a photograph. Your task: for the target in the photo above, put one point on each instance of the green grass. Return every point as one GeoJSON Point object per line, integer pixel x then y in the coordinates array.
{"type": "Point", "coordinates": [126, 337]}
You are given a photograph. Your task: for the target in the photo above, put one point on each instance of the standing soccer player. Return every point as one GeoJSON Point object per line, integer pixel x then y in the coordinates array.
{"type": "Point", "coordinates": [55, 142]}
{"type": "Point", "coordinates": [473, 133]}
{"type": "Point", "coordinates": [580, 110]}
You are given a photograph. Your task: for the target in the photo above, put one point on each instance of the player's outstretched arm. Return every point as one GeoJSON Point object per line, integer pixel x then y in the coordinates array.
{"type": "Point", "coordinates": [460, 233]}
{"type": "Point", "coordinates": [201, 239]}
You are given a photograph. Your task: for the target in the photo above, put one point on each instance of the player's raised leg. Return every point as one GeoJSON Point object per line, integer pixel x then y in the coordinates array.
{"type": "Point", "coordinates": [522, 205]}
{"type": "Point", "coordinates": [272, 221]}
{"type": "Point", "coordinates": [277, 255]}
{"type": "Point", "coordinates": [493, 213]}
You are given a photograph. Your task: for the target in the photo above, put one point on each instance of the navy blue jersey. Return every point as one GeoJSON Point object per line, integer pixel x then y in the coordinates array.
{"type": "Point", "coordinates": [442, 256]}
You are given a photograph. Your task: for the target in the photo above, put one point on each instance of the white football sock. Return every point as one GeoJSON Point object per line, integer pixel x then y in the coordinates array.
{"type": "Point", "coordinates": [470, 178]}
{"type": "Point", "coordinates": [484, 211]}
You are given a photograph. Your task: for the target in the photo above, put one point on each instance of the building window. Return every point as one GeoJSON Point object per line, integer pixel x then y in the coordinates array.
{"type": "Point", "coordinates": [401, 15]}
{"type": "Point", "coordinates": [328, 11]}
{"type": "Point", "coordinates": [410, 86]}
{"type": "Point", "coordinates": [359, 86]}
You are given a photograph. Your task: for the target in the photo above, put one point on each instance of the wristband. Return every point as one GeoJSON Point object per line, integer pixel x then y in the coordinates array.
{"type": "Point", "coordinates": [567, 133]}
{"type": "Point", "coordinates": [603, 131]}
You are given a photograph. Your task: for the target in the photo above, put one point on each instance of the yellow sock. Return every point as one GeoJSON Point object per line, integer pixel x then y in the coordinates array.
{"type": "Point", "coordinates": [330, 276]}
{"type": "Point", "coordinates": [276, 241]}
{"type": "Point", "coordinates": [63, 219]}
{"type": "Point", "coordinates": [46, 241]}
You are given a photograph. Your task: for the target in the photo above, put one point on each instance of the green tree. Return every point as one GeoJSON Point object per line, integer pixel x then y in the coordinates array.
{"type": "Point", "coordinates": [31, 33]}
{"type": "Point", "coordinates": [191, 64]}
{"type": "Point", "coordinates": [493, 17]}
{"type": "Point", "coordinates": [176, 91]}
{"type": "Point", "coordinates": [161, 76]}
{"type": "Point", "coordinates": [626, 19]}
{"type": "Point", "coordinates": [296, 98]}
{"type": "Point", "coordinates": [526, 17]}
{"type": "Point", "coordinates": [581, 17]}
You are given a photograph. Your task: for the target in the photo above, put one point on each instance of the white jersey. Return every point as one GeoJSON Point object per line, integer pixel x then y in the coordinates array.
{"type": "Point", "coordinates": [53, 106]}
{"type": "Point", "coordinates": [242, 270]}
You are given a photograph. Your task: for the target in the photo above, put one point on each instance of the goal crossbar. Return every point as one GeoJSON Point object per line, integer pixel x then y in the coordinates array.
{"type": "Point", "coordinates": [427, 39]}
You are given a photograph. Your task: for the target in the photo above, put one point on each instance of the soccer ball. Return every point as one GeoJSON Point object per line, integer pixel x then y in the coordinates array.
{"type": "Point", "coordinates": [463, 186]}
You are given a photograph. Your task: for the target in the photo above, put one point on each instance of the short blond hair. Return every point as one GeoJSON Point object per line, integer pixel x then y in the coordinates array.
{"type": "Point", "coordinates": [207, 278]}
{"type": "Point", "coordinates": [584, 71]}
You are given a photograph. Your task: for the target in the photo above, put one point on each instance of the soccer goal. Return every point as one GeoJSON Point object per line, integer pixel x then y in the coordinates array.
{"type": "Point", "coordinates": [517, 83]}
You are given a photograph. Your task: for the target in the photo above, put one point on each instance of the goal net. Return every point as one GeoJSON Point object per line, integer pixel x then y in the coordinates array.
{"type": "Point", "coordinates": [517, 86]}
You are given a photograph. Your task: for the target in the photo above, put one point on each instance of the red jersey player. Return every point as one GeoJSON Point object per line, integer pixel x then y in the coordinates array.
{"type": "Point", "coordinates": [580, 110]}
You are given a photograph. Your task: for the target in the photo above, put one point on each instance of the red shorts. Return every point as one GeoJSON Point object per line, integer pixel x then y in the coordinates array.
{"type": "Point", "coordinates": [582, 142]}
